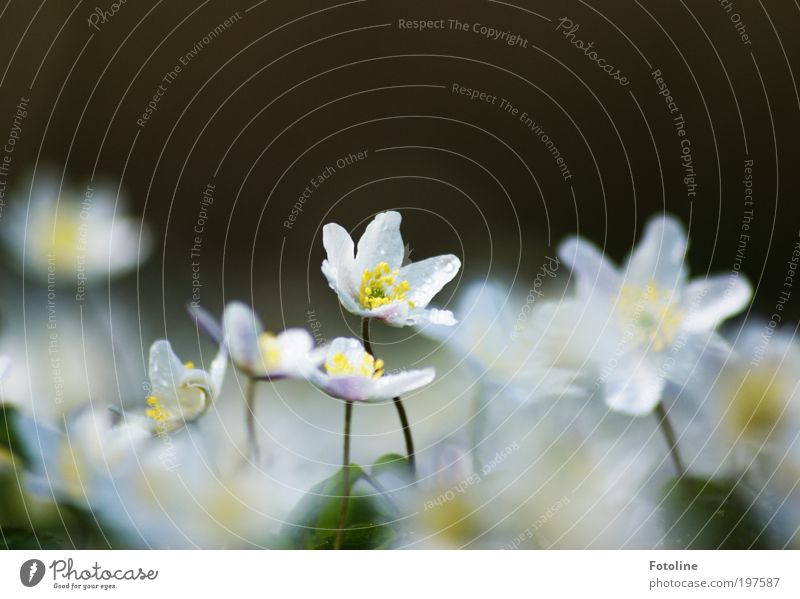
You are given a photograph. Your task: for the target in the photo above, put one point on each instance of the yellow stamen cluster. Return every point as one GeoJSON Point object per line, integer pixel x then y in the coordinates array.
{"type": "Point", "coordinates": [270, 351]}
{"type": "Point", "coordinates": [189, 365]}
{"type": "Point", "coordinates": [339, 365]}
{"type": "Point", "coordinates": [380, 287]}
{"type": "Point", "coordinates": [654, 313]}
{"type": "Point", "coordinates": [156, 411]}
{"type": "Point", "coordinates": [757, 404]}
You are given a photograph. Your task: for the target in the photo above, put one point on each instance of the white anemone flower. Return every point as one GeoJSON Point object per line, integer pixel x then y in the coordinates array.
{"type": "Point", "coordinates": [373, 282]}
{"type": "Point", "coordinates": [499, 336]}
{"type": "Point", "coordinates": [645, 324]}
{"type": "Point", "coordinates": [352, 374]}
{"type": "Point", "coordinates": [756, 395]}
{"type": "Point", "coordinates": [180, 393]}
{"type": "Point", "coordinates": [87, 233]}
{"type": "Point", "coordinates": [77, 463]}
{"type": "Point", "coordinates": [263, 355]}
{"type": "Point", "coordinates": [755, 401]}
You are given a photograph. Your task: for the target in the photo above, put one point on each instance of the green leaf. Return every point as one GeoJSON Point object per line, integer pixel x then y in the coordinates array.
{"type": "Point", "coordinates": [313, 522]}
{"type": "Point", "coordinates": [708, 514]}
{"type": "Point", "coordinates": [24, 538]}
{"type": "Point", "coordinates": [392, 465]}
{"type": "Point", "coordinates": [9, 439]}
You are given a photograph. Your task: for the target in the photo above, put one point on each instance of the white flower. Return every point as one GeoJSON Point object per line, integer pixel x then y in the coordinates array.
{"type": "Point", "coordinates": [79, 361]}
{"type": "Point", "coordinates": [84, 233]}
{"type": "Point", "coordinates": [179, 392]}
{"type": "Point", "coordinates": [373, 283]}
{"type": "Point", "coordinates": [196, 493]}
{"type": "Point", "coordinates": [77, 463]}
{"type": "Point", "coordinates": [645, 324]}
{"type": "Point", "coordinates": [352, 374]}
{"type": "Point", "coordinates": [754, 401]}
{"type": "Point", "coordinates": [499, 337]}
{"type": "Point", "coordinates": [755, 395]}
{"type": "Point", "coordinates": [259, 354]}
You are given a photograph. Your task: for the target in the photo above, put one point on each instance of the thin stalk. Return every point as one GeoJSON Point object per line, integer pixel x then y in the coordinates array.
{"type": "Point", "coordinates": [250, 416]}
{"type": "Point", "coordinates": [672, 440]}
{"type": "Point", "coordinates": [348, 417]}
{"type": "Point", "coordinates": [398, 404]}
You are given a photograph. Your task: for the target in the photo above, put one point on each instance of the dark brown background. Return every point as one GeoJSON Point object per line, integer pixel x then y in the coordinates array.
{"type": "Point", "coordinates": [89, 93]}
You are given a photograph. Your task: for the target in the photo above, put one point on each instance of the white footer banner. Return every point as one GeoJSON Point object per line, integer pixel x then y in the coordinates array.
{"type": "Point", "coordinates": [403, 574]}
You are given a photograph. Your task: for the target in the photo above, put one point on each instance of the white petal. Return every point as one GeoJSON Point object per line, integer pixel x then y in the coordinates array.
{"type": "Point", "coordinates": [707, 302]}
{"type": "Point", "coordinates": [486, 318]}
{"type": "Point", "coordinates": [394, 314]}
{"type": "Point", "coordinates": [194, 394]}
{"type": "Point", "coordinates": [5, 366]}
{"type": "Point", "coordinates": [633, 387]}
{"type": "Point", "coordinates": [339, 268]}
{"type": "Point", "coordinates": [395, 385]}
{"type": "Point", "coordinates": [593, 273]}
{"type": "Point", "coordinates": [419, 316]}
{"type": "Point", "coordinates": [129, 244]}
{"type": "Point", "coordinates": [217, 371]}
{"type": "Point", "coordinates": [351, 388]}
{"type": "Point", "coordinates": [241, 328]}
{"type": "Point", "coordinates": [165, 370]}
{"type": "Point", "coordinates": [352, 349]}
{"type": "Point", "coordinates": [381, 242]}
{"type": "Point", "coordinates": [427, 277]}
{"type": "Point", "coordinates": [346, 298]}
{"type": "Point", "coordinates": [204, 321]}
{"type": "Point", "coordinates": [294, 350]}
{"type": "Point", "coordinates": [700, 354]}
{"type": "Point", "coordinates": [660, 255]}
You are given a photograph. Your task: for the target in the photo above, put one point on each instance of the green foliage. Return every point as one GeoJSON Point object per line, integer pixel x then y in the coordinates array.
{"type": "Point", "coordinates": [9, 440]}
{"type": "Point", "coordinates": [314, 520]}
{"type": "Point", "coordinates": [392, 465]}
{"type": "Point", "coordinates": [708, 514]}
{"type": "Point", "coordinates": [57, 527]}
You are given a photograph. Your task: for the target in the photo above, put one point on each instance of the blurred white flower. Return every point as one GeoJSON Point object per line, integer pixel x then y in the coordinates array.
{"type": "Point", "coordinates": [179, 392]}
{"type": "Point", "coordinates": [576, 479]}
{"type": "Point", "coordinates": [645, 324]}
{"type": "Point", "coordinates": [374, 283]}
{"type": "Point", "coordinates": [58, 370]}
{"type": "Point", "coordinates": [181, 496]}
{"type": "Point", "coordinates": [76, 463]}
{"type": "Point", "coordinates": [755, 402]}
{"type": "Point", "coordinates": [85, 234]}
{"type": "Point", "coordinates": [352, 374]}
{"type": "Point", "coordinates": [261, 354]}
{"type": "Point", "coordinates": [499, 335]}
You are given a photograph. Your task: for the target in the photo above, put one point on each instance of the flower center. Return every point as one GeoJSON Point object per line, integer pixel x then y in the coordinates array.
{"type": "Point", "coordinates": [380, 287]}
{"type": "Point", "coordinates": [340, 365]}
{"type": "Point", "coordinates": [653, 312]}
{"type": "Point", "coordinates": [156, 411]}
{"type": "Point", "coordinates": [756, 403]}
{"type": "Point", "coordinates": [270, 351]}
{"type": "Point", "coordinates": [72, 473]}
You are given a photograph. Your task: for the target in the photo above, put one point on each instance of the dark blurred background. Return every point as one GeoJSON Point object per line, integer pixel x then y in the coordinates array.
{"type": "Point", "coordinates": [290, 87]}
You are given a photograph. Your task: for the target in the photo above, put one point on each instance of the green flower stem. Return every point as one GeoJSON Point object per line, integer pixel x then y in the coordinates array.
{"type": "Point", "coordinates": [398, 404]}
{"type": "Point", "coordinates": [672, 440]}
{"type": "Point", "coordinates": [250, 415]}
{"type": "Point", "coordinates": [348, 417]}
